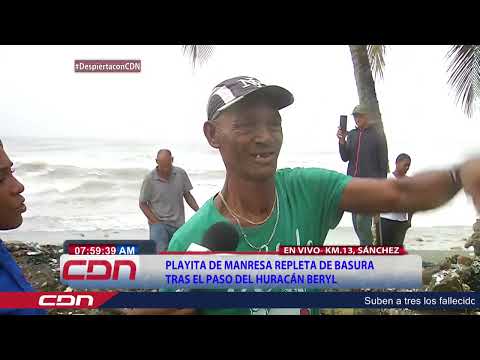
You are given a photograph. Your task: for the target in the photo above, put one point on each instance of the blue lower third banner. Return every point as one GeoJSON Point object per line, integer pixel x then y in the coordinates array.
{"type": "Point", "coordinates": [239, 272]}
{"type": "Point", "coordinates": [374, 300]}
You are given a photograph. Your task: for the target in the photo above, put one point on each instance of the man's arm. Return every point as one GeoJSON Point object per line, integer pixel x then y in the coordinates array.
{"type": "Point", "coordinates": [190, 200]}
{"type": "Point", "coordinates": [144, 201]}
{"type": "Point", "coordinates": [421, 192]}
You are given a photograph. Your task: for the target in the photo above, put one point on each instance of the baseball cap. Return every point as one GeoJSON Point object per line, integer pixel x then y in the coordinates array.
{"type": "Point", "coordinates": [230, 91]}
{"type": "Point", "coordinates": [360, 109]}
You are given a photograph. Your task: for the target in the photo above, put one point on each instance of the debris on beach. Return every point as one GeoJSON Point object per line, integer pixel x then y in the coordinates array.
{"type": "Point", "coordinates": [456, 273]}
{"type": "Point", "coordinates": [446, 280]}
{"type": "Point", "coordinates": [33, 253]}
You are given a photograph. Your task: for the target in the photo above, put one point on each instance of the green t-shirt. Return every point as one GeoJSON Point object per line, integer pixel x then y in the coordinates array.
{"type": "Point", "coordinates": [308, 199]}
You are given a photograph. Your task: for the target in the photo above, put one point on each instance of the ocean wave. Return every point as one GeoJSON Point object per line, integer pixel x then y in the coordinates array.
{"type": "Point", "coordinates": [83, 223]}
{"type": "Point", "coordinates": [47, 171]}
{"type": "Point", "coordinates": [93, 186]}
{"type": "Point", "coordinates": [53, 171]}
{"type": "Point", "coordinates": [35, 166]}
{"type": "Point", "coordinates": [97, 200]}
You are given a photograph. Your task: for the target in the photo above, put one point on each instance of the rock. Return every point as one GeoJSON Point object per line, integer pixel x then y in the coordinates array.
{"type": "Point", "coordinates": [465, 273]}
{"type": "Point", "coordinates": [427, 264]}
{"type": "Point", "coordinates": [428, 273]}
{"type": "Point", "coordinates": [464, 260]}
{"type": "Point", "coordinates": [445, 280]}
{"type": "Point", "coordinates": [445, 265]}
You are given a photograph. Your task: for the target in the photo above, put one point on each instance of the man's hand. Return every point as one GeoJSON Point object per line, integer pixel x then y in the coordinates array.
{"type": "Point", "coordinates": [341, 136]}
{"type": "Point", "coordinates": [152, 219]}
{"type": "Point", "coordinates": [470, 177]}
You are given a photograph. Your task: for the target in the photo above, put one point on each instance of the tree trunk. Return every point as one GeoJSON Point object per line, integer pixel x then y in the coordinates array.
{"type": "Point", "coordinates": [366, 85]}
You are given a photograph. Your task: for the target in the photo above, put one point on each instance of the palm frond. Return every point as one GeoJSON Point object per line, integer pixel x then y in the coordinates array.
{"type": "Point", "coordinates": [198, 54]}
{"type": "Point", "coordinates": [376, 56]}
{"type": "Point", "coordinates": [464, 76]}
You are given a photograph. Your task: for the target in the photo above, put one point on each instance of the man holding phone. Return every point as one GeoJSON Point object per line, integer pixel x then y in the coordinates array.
{"type": "Point", "coordinates": [366, 153]}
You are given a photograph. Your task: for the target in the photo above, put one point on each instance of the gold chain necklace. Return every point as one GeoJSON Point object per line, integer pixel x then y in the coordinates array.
{"type": "Point", "coordinates": [245, 235]}
{"type": "Point", "coordinates": [245, 219]}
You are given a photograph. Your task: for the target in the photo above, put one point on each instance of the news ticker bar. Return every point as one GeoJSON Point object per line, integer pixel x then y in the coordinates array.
{"type": "Point", "coordinates": [242, 271]}
{"type": "Point", "coordinates": [219, 300]}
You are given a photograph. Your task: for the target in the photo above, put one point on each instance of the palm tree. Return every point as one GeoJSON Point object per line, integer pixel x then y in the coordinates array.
{"type": "Point", "coordinates": [368, 61]}
{"type": "Point", "coordinates": [464, 77]}
{"type": "Point", "coordinates": [198, 54]}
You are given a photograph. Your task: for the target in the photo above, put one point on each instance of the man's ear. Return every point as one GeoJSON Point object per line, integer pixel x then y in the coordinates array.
{"type": "Point", "coordinates": [211, 133]}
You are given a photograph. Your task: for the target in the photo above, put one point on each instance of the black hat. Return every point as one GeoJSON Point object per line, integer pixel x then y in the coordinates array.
{"type": "Point", "coordinates": [230, 91]}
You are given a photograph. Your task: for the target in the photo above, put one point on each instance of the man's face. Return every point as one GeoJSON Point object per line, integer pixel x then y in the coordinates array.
{"type": "Point", "coordinates": [164, 162]}
{"type": "Point", "coordinates": [11, 202]}
{"type": "Point", "coordinates": [403, 166]}
{"type": "Point", "coordinates": [361, 120]}
{"type": "Point", "coordinates": [249, 138]}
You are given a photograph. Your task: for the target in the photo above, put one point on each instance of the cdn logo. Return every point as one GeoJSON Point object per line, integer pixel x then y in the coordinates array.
{"type": "Point", "coordinates": [95, 269]}
{"type": "Point", "coordinates": [65, 300]}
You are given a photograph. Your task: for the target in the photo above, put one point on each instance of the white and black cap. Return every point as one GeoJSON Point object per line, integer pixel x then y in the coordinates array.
{"type": "Point", "coordinates": [230, 91]}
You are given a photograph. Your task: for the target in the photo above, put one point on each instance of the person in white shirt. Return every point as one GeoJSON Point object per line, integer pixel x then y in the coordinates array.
{"type": "Point", "coordinates": [394, 226]}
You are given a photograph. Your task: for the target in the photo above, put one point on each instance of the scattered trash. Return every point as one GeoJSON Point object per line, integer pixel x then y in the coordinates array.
{"type": "Point", "coordinates": [33, 253]}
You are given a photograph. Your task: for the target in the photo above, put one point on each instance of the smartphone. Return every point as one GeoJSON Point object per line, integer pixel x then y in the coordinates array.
{"type": "Point", "coordinates": [343, 122]}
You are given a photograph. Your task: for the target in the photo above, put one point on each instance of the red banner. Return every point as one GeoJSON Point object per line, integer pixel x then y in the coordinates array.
{"type": "Point", "coordinates": [342, 250]}
{"type": "Point", "coordinates": [52, 300]}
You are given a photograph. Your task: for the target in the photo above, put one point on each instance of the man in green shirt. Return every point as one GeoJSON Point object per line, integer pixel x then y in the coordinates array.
{"type": "Point", "coordinates": [298, 206]}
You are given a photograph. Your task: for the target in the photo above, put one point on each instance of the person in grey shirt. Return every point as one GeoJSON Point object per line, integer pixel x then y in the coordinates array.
{"type": "Point", "coordinates": [161, 199]}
